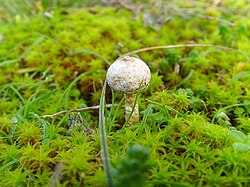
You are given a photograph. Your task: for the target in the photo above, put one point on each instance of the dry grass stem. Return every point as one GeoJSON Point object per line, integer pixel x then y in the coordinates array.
{"type": "Point", "coordinates": [76, 110]}
{"type": "Point", "coordinates": [186, 45]}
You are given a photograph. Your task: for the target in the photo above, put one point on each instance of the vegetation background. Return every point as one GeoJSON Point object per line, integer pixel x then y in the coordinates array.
{"type": "Point", "coordinates": [194, 127]}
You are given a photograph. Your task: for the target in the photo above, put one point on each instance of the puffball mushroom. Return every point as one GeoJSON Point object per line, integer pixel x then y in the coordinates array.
{"type": "Point", "coordinates": [128, 74]}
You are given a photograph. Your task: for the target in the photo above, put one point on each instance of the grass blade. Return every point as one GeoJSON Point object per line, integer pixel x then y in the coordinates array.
{"type": "Point", "coordinates": [66, 92]}
{"type": "Point", "coordinates": [9, 164]}
{"type": "Point", "coordinates": [91, 52]}
{"type": "Point", "coordinates": [103, 139]}
{"type": "Point", "coordinates": [224, 109]}
{"type": "Point", "coordinates": [239, 76]}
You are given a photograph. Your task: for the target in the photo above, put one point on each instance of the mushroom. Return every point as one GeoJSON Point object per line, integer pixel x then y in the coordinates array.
{"type": "Point", "coordinates": [128, 74]}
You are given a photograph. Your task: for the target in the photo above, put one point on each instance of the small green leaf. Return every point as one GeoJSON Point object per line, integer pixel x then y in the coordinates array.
{"type": "Point", "coordinates": [247, 105]}
{"type": "Point", "coordinates": [222, 115]}
{"type": "Point", "coordinates": [241, 147]}
{"type": "Point", "coordinates": [248, 139]}
{"type": "Point", "coordinates": [14, 120]}
{"type": "Point", "coordinates": [240, 136]}
{"type": "Point", "coordinates": [239, 110]}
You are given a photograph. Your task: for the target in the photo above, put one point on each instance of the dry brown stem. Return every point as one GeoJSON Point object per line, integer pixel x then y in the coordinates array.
{"type": "Point", "coordinates": [76, 110]}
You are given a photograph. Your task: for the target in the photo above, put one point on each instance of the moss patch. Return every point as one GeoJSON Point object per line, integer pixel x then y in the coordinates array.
{"type": "Point", "coordinates": [196, 96]}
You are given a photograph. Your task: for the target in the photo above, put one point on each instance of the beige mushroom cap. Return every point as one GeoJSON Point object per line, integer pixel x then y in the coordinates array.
{"type": "Point", "coordinates": [127, 74]}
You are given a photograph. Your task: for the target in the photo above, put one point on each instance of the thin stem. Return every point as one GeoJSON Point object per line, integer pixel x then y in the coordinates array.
{"type": "Point", "coordinates": [225, 108]}
{"type": "Point", "coordinates": [77, 110]}
{"type": "Point", "coordinates": [204, 16]}
{"type": "Point", "coordinates": [186, 45]}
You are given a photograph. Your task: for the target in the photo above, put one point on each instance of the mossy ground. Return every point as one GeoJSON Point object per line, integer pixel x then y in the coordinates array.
{"type": "Point", "coordinates": [197, 95]}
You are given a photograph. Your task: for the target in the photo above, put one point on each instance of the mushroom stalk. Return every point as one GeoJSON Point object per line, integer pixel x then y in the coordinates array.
{"type": "Point", "coordinates": [130, 102]}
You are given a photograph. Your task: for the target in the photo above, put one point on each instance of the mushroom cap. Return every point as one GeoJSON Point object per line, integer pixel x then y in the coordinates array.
{"type": "Point", "coordinates": [127, 74]}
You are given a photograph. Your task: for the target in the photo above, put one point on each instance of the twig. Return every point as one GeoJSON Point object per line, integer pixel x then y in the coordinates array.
{"type": "Point", "coordinates": [125, 5]}
{"type": "Point", "coordinates": [77, 110]}
{"type": "Point", "coordinates": [135, 9]}
{"type": "Point", "coordinates": [186, 45]}
{"type": "Point", "coordinates": [204, 16]}
{"type": "Point", "coordinates": [57, 174]}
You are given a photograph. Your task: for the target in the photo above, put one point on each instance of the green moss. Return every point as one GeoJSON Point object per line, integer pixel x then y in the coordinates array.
{"type": "Point", "coordinates": [196, 95]}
